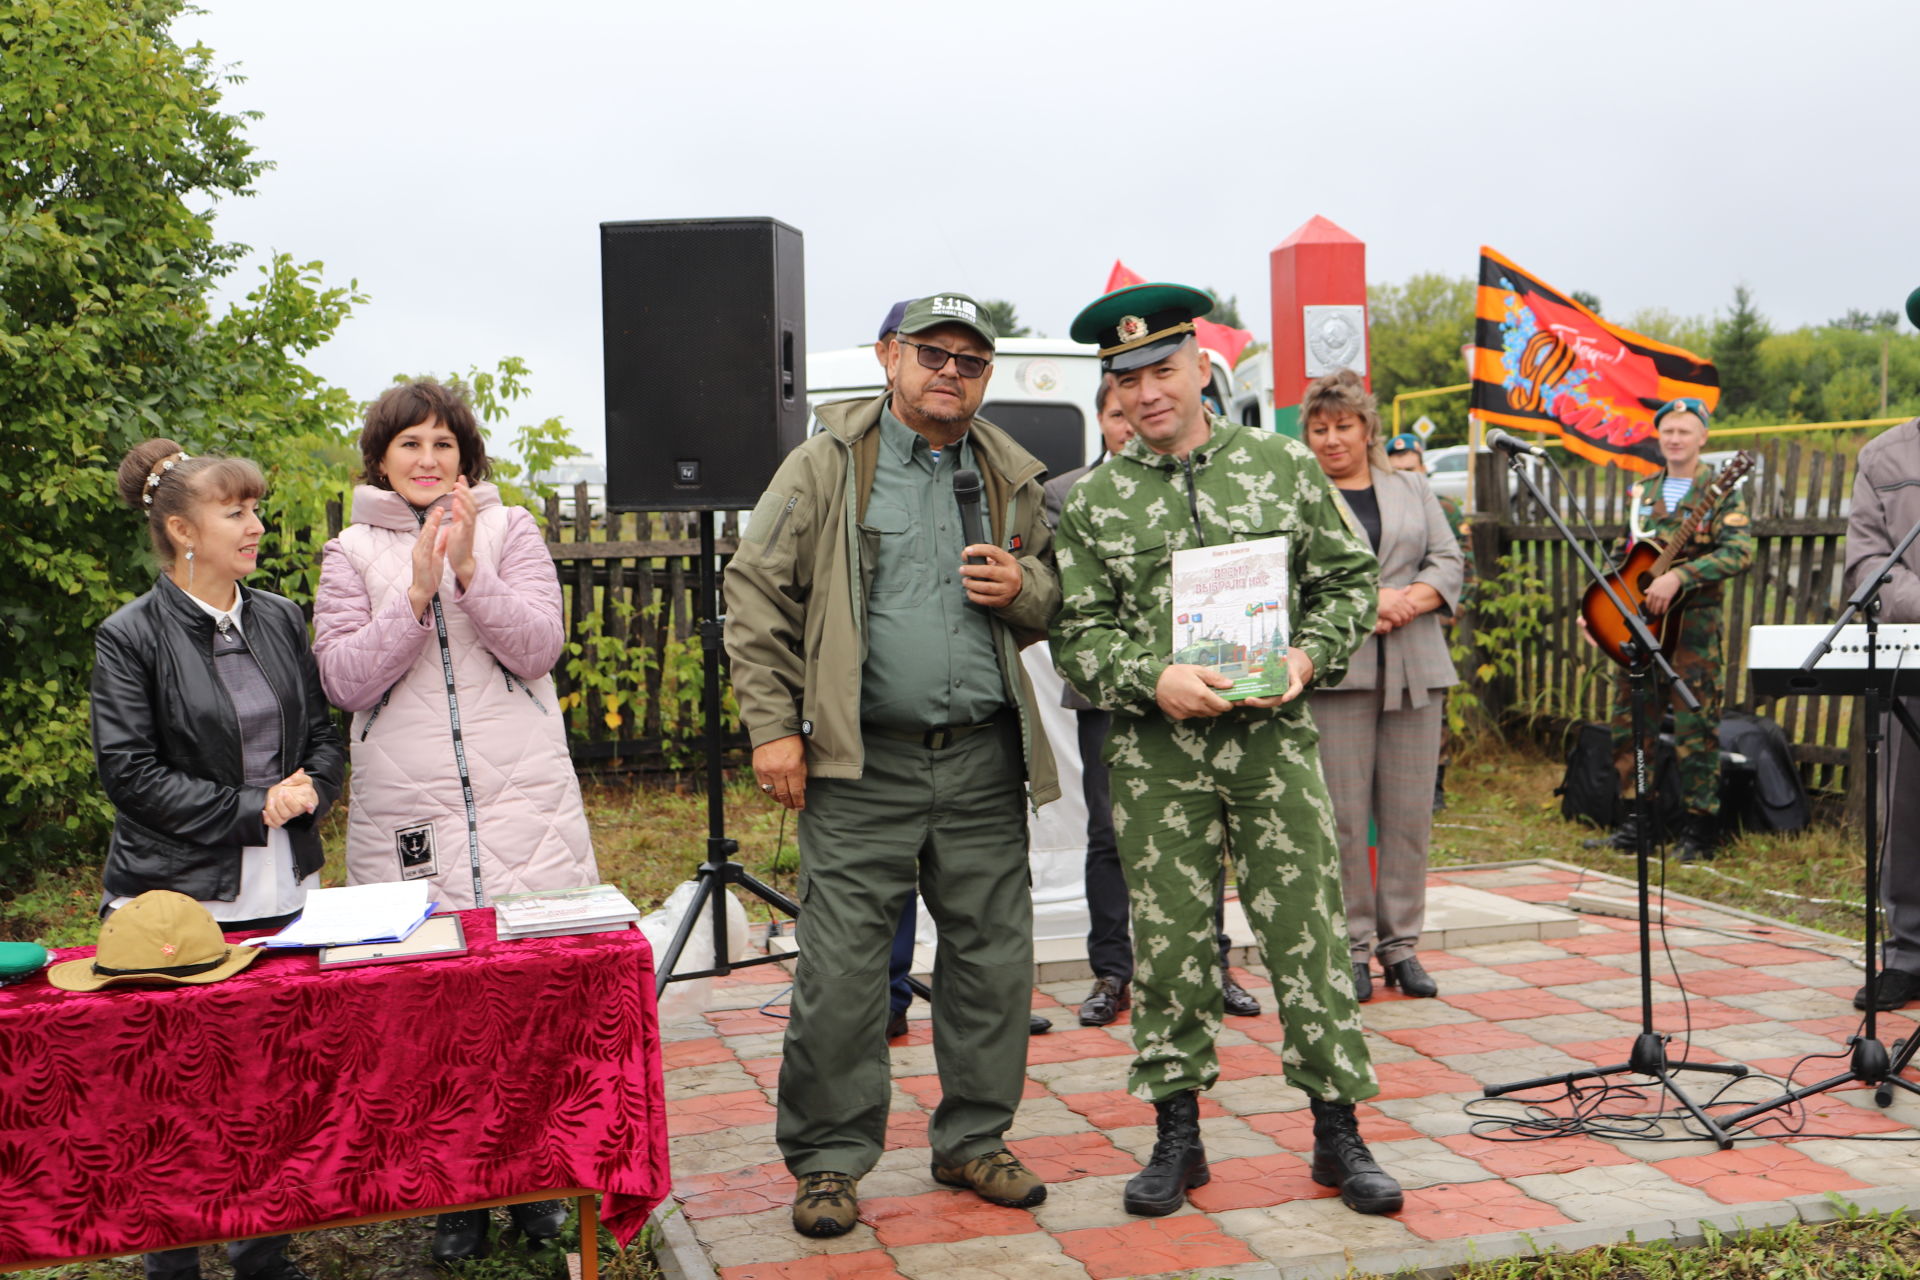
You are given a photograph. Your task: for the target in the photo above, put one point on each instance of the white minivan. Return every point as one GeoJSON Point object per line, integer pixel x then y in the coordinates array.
{"type": "Point", "coordinates": [1041, 394]}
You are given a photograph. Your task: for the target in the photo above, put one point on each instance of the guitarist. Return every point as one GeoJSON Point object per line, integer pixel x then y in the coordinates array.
{"type": "Point", "coordinates": [1720, 548]}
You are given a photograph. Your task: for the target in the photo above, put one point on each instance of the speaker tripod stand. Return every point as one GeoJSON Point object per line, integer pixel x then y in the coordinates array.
{"type": "Point", "coordinates": [1648, 1057]}
{"type": "Point", "coordinates": [719, 870]}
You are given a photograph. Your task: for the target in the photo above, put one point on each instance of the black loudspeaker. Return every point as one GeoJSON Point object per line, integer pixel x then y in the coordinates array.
{"type": "Point", "coordinates": [704, 322]}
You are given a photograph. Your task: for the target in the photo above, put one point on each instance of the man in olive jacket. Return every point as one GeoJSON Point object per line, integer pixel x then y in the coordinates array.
{"type": "Point", "coordinates": [879, 678]}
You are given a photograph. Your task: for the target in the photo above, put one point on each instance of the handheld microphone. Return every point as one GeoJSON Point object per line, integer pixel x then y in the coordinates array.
{"type": "Point", "coordinates": [1509, 445]}
{"type": "Point", "coordinates": [1913, 308]}
{"type": "Point", "coordinates": [966, 492]}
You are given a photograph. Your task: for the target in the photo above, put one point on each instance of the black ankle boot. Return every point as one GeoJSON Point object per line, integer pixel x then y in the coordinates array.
{"type": "Point", "coordinates": [1178, 1162]}
{"type": "Point", "coordinates": [1341, 1159]}
{"type": "Point", "coordinates": [459, 1236]}
{"type": "Point", "coordinates": [538, 1220]}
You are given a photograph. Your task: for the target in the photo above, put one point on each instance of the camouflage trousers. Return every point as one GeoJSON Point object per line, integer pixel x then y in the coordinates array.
{"type": "Point", "coordinates": [1697, 659]}
{"type": "Point", "coordinates": [1249, 786]}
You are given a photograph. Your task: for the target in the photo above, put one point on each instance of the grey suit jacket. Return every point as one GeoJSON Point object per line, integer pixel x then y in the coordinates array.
{"type": "Point", "coordinates": [1415, 546]}
{"type": "Point", "coordinates": [1886, 503]}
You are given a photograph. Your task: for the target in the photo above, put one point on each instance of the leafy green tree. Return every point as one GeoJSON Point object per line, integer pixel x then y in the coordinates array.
{"type": "Point", "coordinates": [1591, 301]}
{"type": "Point", "coordinates": [116, 148]}
{"type": "Point", "coordinates": [1415, 332]}
{"type": "Point", "coordinates": [1736, 352]}
{"type": "Point", "coordinates": [1006, 320]}
{"type": "Point", "coordinates": [1866, 321]}
{"type": "Point", "coordinates": [1691, 333]}
{"type": "Point", "coordinates": [1226, 309]}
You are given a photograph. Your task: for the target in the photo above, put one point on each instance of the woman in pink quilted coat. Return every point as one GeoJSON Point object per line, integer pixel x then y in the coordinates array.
{"type": "Point", "coordinates": [436, 624]}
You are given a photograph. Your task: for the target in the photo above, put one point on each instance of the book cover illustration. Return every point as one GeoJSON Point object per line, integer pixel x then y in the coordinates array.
{"type": "Point", "coordinates": [1230, 613]}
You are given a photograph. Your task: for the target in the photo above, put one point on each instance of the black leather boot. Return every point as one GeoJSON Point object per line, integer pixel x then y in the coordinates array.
{"type": "Point", "coordinates": [1179, 1161]}
{"type": "Point", "coordinates": [1411, 977]}
{"type": "Point", "coordinates": [1362, 981]}
{"type": "Point", "coordinates": [459, 1236]}
{"type": "Point", "coordinates": [1341, 1159]}
{"type": "Point", "coordinates": [538, 1220]}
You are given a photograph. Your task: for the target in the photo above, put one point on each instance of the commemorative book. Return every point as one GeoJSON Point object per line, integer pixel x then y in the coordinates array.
{"type": "Point", "coordinates": [441, 936]}
{"type": "Point", "coordinates": [1230, 614]}
{"type": "Point", "coordinates": [547, 912]}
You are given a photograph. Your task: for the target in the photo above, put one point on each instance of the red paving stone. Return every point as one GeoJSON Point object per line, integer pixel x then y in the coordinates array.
{"type": "Point", "coordinates": [1754, 954]}
{"type": "Point", "coordinates": [1066, 1156]}
{"type": "Point", "coordinates": [1418, 1079]}
{"type": "Point", "coordinates": [941, 1217]}
{"type": "Point", "coordinates": [1451, 1210]}
{"type": "Point", "coordinates": [925, 1090]}
{"type": "Point", "coordinates": [1189, 1243]}
{"type": "Point", "coordinates": [751, 1190]}
{"type": "Point", "coordinates": [1460, 1037]}
{"type": "Point", "coordinates": [1502, 1006]}
{"type": "Point", "coordinates": [1701, 1015]}
{"type": "Point", "coordinates": [765, 1071]}
{"type": "Point", "coordinates": [1599, 944]}
{"type": "Point", "coordinates": [694, 1053]}
{"type": "Point", "coordinates": [1824, 1115]}
{"type": "Point", "coordinates": [1118, 1109]}
{"type": "Point", "coordinates": [1257, 1183]}
{"type": "Point", "coordinates": [1747, 1174]}
{"type": "Point", "coordinates": [1441, 961]}
{"type": "Point", "coordinates": [746, 1022]}
{"type": "Point", "coordinates": [1802, 1070]}
{"type": "Point", "coordinates": [710, 1111]}
{"type": "Point", "coordinates": [1733, 981]}
{"type": "Point", "coordinates": [1244, 1061]}
{"type": "Point", "coordinates": [1606, 1053]}
{"type": "Point", "coordinates": [870, 1264]}
{"type": "Point", "coordinates": [1071, 1046]}
{"type": "Point", "coordinates": [1558, 892]}
{"type": "Point", "coordinates": [1561, 973]}
{"type": "Point", "coordinates": [1548, 1155]}
{"type": "Point", "coordinates": [906, 1129]}
{"type": "Point", "coordinates": [1293, 1130]}
{"type": "Point", "coordinates": [1265, 1030]}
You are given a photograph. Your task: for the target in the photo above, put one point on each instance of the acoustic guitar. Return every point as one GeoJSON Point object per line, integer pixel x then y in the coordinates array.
{"type": "Point", "coordinates": [1643, 564]}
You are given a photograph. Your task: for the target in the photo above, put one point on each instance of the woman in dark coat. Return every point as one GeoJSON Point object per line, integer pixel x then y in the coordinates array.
{"type": "Point", "coordinates": [211, 733]}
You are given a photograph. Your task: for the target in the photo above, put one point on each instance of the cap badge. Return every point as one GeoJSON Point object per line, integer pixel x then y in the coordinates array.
{"type": "Point", "coordinates": [1131, 328]}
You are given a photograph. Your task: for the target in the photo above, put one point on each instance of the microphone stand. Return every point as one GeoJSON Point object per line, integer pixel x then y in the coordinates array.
{"type": "Point", "coordinates": [1868, 1063]}
{"type": "Point", "coordinates": [1648, 1057]}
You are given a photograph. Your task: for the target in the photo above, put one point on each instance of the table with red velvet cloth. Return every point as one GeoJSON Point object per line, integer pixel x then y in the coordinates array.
{"type": "Point", "coordinates": [283, 1098]}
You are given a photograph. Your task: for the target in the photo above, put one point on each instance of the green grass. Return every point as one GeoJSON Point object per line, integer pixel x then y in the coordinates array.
{"type": "Point", "coordinates": [398, 1251]}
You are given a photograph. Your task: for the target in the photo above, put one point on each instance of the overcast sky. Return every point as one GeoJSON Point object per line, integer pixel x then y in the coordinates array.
{"type": "Point", "coordinates": [456, 159]}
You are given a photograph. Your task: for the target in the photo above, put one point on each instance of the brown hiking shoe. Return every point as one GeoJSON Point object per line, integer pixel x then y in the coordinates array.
{"type": "Point", "coordinates": [824, 1205]}
{"type": "Point", "coordinates": [997, 1177]}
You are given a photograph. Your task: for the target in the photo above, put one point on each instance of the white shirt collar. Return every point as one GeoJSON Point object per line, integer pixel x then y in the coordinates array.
{"type": "Point", "coordinates": [224, 618]}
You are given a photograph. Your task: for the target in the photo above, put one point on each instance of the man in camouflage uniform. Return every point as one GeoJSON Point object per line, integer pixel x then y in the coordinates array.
{"type": "Point", "coordinates": [1719, 549]}
{"type": "Point", "coordinates": [1191, 770]}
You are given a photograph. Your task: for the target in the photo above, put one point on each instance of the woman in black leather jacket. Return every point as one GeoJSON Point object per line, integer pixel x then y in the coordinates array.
{"type": "Point", "coordinates": [211, 733]}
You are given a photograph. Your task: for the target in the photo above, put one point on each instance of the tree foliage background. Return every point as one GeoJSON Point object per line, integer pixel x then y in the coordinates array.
{"type": "Point", "coordinates": [1816, 373]}
{"type": "Point", "coordinates": [116, 153]}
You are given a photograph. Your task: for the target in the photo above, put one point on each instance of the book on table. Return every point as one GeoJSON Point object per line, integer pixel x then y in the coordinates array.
{"type": "Point", "coordinates": [1230, 613]}
{"type": "Point", "coordinates": [358, 913]}
{"type": "Point", "coordinates": [598, 908]}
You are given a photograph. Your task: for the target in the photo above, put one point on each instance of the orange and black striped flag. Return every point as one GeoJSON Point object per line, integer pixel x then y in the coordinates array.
{"type": "Point", "coordinates": [1542, 362]}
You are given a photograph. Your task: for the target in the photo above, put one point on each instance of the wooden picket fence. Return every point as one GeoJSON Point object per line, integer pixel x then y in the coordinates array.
{"type": "Point", "coordinates": [1798, 504]}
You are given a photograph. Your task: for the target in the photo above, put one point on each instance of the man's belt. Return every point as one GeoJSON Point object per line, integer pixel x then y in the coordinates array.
{"type": "Point", "coordinates": [932, 739]}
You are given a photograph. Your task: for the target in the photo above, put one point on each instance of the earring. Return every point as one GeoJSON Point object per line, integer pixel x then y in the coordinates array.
{"type": "Point", "coordinates": [189, 568]}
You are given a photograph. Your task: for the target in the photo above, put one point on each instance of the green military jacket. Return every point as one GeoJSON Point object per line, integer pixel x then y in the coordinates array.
{"type": "Point", "coordinates": [1121, 524]}
{"type": "Point", "coordinates": [1720, 548]}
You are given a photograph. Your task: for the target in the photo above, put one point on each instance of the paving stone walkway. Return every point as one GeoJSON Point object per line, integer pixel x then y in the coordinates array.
{"type": "Point", "coordinates": [1758, 993]}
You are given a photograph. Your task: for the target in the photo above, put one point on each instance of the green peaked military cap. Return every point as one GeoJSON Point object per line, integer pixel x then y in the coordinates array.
{"type": "Point", "coordinates": [1140, 324]}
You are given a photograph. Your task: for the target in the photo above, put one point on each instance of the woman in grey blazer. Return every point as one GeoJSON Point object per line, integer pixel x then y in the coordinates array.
{"type": "Point", "coordinates": [1381, 727]}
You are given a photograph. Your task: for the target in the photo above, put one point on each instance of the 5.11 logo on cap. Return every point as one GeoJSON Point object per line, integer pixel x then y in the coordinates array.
{"type": "Point", "coordinates": [958, 307]}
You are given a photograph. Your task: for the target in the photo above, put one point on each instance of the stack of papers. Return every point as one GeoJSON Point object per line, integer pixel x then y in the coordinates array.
{"type": "Point", "coordinates": [358, 913]}
{"type": "Point", "coordinates": [599, 908]}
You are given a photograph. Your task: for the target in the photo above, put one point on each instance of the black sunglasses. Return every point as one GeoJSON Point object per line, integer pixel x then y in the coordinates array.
{"type": "Point", "coordinates": [932, 357]}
